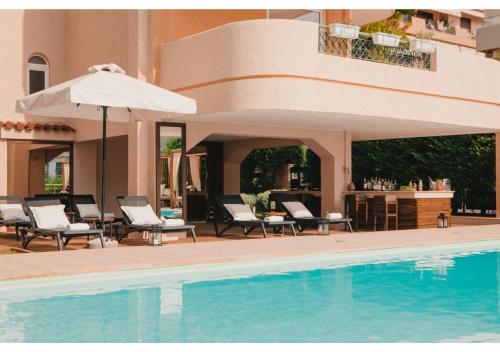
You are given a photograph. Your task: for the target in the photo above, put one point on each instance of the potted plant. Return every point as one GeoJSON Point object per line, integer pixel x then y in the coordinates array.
{"type": "Point", "coordinates": [344, 30]}
{"type": "Point", "coordinates": [421, 42]}
{"type": "Point", "coordinates": [385, 39]}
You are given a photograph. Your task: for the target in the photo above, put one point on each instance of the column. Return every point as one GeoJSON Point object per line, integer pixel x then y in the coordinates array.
{"type": "Point", "coordinates": [139, 171]}
{"type": "Point", "coordinates": [3, 167]}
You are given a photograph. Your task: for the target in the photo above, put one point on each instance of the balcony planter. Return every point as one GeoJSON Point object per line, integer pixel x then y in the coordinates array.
{"type": "Point", "coordinates": [424, 46]}
{"type": "Point", "coordinates": [386, 39]}
{"type": "Point", "coordinates": [345, 31]}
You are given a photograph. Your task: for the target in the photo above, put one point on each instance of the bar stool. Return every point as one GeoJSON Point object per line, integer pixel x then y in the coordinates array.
{"type": "Point", "coordinates": [356, 206]}
{"type": "Point", "coordinates": [385, 207]}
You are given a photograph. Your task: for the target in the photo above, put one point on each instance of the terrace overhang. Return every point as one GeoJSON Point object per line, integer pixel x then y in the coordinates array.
{"type": "Point", "coordinates": [272, 73]}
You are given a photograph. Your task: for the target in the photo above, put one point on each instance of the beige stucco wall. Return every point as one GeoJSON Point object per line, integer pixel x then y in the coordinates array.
{"type": "Point", "coordinates": [85, 167]}
{"type": "Point", "coordinates": [23, 33]}
{"type": "Point", "coordinates": [488, 36]}
{"type": "Point", "coordinates": [332, 84]}
{"type": "Point", "coordinates": [334, 149]}
{"type": "Point", "coordinates": [18, 169]}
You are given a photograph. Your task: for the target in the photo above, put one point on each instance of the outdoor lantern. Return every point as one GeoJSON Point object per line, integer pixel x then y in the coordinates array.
{"type": "Point", "coordinates": [442, 221]}
{"type": "Point", "coordinates": [155, 238]}
{"type": "Point", "coordinates": [323, 228]}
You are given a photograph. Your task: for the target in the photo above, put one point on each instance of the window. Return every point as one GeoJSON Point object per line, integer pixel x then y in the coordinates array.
{"type": "Point", "coordinates": [465, 23]}
{"type": "Point", "coordinates": [38, 74]}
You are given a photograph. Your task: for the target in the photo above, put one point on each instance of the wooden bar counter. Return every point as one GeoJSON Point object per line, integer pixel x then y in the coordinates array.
{"type": "Point", "coordinates": [417, 209]}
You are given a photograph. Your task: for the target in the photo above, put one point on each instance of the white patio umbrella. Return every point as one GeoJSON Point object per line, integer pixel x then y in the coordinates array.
{"type": "Point", "coordinates": [106, 93]}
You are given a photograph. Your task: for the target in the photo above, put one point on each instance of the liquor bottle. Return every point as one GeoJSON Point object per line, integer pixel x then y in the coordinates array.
{"type": "Point", "coordinates": [364, 184]}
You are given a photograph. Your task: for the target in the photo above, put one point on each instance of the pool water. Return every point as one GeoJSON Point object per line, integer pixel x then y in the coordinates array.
{"type": "Point", "coordinates": [167, 213]}
{"type": "Point", "coordinates": [430, 299]}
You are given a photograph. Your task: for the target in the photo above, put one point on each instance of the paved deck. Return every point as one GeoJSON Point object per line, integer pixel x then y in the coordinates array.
{"type": "Point", "coordinates": [69, 262]}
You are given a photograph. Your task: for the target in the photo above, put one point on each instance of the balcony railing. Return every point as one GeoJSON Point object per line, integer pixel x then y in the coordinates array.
{"type": "Point", "coordinates": [365, 49]}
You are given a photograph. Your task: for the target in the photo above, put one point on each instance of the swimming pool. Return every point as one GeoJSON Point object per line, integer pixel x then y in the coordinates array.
{"type": "Point", "coordinates": [450, 294]}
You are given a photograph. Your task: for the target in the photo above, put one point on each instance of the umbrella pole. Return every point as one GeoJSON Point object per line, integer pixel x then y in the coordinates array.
{"type": "Point", "coordinates": [103, 165]}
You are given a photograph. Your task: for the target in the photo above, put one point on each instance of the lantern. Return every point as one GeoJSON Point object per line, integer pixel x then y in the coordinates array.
{"type": "Point", "coordinates": [323, 228]}
{"type": "Point", "coordinates": [155, 238]}
{"type": "Point", "coordinates": [442, 221]}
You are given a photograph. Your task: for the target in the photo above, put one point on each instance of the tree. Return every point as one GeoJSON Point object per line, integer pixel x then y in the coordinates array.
{"type": "Point", "coordinates": [260, 168]}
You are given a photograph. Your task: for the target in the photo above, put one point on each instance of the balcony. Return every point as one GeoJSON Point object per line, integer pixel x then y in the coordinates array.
{"type": "Point", "coordinates": [363, 48]}
{"type": "Point", "coordinates": [247, 71]}
{"type": "Point", "coordinates": [451, 33]}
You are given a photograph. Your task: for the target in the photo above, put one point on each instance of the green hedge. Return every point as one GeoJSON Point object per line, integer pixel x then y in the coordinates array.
{"type": "Point", "coordinates": [468, 161]}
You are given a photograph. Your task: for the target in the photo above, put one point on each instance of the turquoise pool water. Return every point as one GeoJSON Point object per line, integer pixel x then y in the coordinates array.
{"type": "Point", "coordinates": [167, 212]}
{"type": "Point", "coordinates": [435, 298]}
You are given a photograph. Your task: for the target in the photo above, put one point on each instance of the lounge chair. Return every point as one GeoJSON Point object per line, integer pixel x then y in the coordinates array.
{"type": "Point", "coordinates": [53, 222]}
{"type": "Point", "coordinates": [247, 223]}
{"type": "Point", "coordinates": [15, 215]}
{"type": "Point", "coordinates": [285, 202]}
{"type": "Point", "coordinates": [86, 210]}
{"type": "Point", "coordinates": [154, 224]}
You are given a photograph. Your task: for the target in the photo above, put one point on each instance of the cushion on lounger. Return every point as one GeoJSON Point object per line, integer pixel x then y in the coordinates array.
{"type": "Point", "coordinates": [297, 209]}
{"type": "Point", "coordinates": [14, 214]}
{"type": "Point", "coordinates": [78, 227]}
{"type": "Point", "coordinates": [173, 222]}
{"type": "Point", "coordinates": [88, 210]}
{"type": "Point", "coordinates": [274, 218]}
{"type": "Point", "coordinates": [334, 216]}
{"type": "Point", "coordinates": [50, 216]}
{"type": "Point", "coordinates": [4, 207]}
{"type": "Point", "coordinates": [142, 216]}
{"type": "Point", "coordinates": [240, 212]}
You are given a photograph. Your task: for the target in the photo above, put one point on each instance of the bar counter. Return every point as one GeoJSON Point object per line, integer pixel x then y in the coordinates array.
{"type": "Point", "coordinates": [416, 209]}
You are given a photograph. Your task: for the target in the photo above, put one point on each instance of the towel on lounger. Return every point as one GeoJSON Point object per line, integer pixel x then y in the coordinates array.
{"type": "Point", "coordinates": [78, 227]}
{"type": "Point", "coordinates": [273, 218]}
{"type": "Point", "coordinates": [334, 216]}
{"type": "Point", "coordinates": [173, 222]}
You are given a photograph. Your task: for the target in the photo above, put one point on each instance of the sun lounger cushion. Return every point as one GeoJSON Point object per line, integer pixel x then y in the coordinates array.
{"type": "Point", "coordinates": [14, 214]}
{"type": "Point", "coordinates": [78, 227]}
{"type": "Point", "coordinates": [88, 210]}
{"type": "Point", "coordinates": [274, 218]}
{"type": "Point", "coordinates": [297, 209]}
{"type": "Point", "coordinates": [334, 216]}
{"type": "Point", "coordinates": [50, 216]}
{"type": "Point", "coordinates": [141, 216]}
{"type": "Point", "coordinates": [173, 222]}
{"type": "Point", "coordinates": [4, 207]}
{"type": "Point", "coordinates": [240, 212]}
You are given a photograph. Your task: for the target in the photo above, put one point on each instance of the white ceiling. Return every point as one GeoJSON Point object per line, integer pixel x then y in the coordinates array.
{"type": "Point", "coordinates": [361, 127]}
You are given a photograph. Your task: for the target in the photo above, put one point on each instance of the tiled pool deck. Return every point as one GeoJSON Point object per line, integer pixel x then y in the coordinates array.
{"type": "Point", "coordinates": [214, 250]}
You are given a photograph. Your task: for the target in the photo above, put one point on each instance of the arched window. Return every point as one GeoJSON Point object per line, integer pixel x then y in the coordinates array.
{"type": "Point", "coordinates": [38, 74]}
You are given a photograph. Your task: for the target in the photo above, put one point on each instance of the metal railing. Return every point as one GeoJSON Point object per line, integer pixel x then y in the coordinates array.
{"type": "Point", "coordinates": [363, 48]}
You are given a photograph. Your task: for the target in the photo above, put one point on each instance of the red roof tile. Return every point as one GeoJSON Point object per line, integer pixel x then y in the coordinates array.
{"type": "Point", "coordinates": [29, 126]}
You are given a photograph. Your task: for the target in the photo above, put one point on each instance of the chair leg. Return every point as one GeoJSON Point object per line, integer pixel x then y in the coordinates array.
{"type": "Point", "coordinates": [263, 229]}
{"type": "Point", "coordinates": [58, 239]}
{"type": "Point", "coordinates": [101, 236]}
{"type": "Point", "coordinates": [193, 234]}
{"type": "Point", "coordinates": [216, 228]}
{"type": "Point", "coordinates": [293, 230]}
{"type": "Point", "coordinates": [348, 224]}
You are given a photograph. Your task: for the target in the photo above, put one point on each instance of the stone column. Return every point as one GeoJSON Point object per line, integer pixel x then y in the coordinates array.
{"type": "Point", "coordinates": [139, 172]}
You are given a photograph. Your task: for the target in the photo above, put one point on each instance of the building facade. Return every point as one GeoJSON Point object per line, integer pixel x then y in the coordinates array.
{"type": "Point", "coordinates": [261, 78]}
